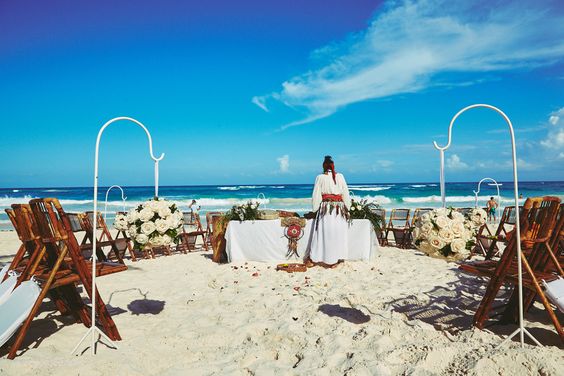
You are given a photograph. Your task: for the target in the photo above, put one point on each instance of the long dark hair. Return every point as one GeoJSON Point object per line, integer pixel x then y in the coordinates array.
{"type": "Point", "coordinates": [329, 165]}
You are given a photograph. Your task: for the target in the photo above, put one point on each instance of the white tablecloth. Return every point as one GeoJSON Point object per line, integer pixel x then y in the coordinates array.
{"type": "Point", "coordinates": [265, 241]}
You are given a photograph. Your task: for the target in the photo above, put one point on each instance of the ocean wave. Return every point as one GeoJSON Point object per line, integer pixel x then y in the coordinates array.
{"type": "Point", "coordinates": [7, 201]}
{"type": "Point", "coordinates": [239, 187]}
{"type": "Point", "coordinates": [418, 185]}
{"type": "Point", "coordinates": [435, 198]}
{"type": "Point", "coordinates": [373, 189]}
{"type": "Point", "coordinates": [15, 190]}
{"type": "Point", "coordinates": [54, 190]}
{"type": "Point", "coordinates": [377, 199]}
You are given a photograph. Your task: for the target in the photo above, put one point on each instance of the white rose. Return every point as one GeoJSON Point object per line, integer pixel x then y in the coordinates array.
{"type": "Point", "coordinates": [162, 226]}
{"type": "Point", "coordinates": [458, 229]}
{"type": "Point", "coordinates": [353, 208]}
{"type": "Point", "coordinates": [146, 214]}
{"type": "Point", "coordinates": [436, 242]}
{"type": "Point", "coordinates": [166, 240]}
{"type": "Point", "coordinates": [442, 221]}
{"type": "Point", "coordinates": [153, 205]}
{"type": "Point", "coordinates": [457, 216]}
{"type": "Point", "coordinates": [157, 241]}
{"type": "Point", "coordinates": [164, 212]}
{"type": "Point", "coordinates": [426, 228]}
{"type": "Point", "coordinates": [142, 239]}
{"type": "Point", "coordinates": [446, 235]}
{"type": "Point", "coordinates": [416, 232]}
{"type": "Point", "coordinates": [132, 216]}
{"type": "Point", "coordinates": [441, 211]}
{"type": "Point", "coordinates": [457, 245]}
{"type": "Point", "coordinates": [132, 232]}
{"type": "Point", "coordinates": [426, 217]}
{"type": "Point", "coordinates": [148, 228]}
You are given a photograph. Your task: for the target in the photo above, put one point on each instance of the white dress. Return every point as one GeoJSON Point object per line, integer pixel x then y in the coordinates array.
{"type": "Point", "coordinates": [329, 242]}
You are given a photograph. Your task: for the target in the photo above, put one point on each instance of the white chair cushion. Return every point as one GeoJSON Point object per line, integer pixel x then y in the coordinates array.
{"type": "Point", "coordinates": [16, 308]}
{"type": "Point", "coordinates": [555, 292]}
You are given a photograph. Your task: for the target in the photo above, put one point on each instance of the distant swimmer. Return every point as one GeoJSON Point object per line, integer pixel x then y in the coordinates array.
{"type": "Point", "coordinates": [492, 206]}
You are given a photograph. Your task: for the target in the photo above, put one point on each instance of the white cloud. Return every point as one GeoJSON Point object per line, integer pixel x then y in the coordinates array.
{"type": "Point", "coordinates": [455, 163]}
{"type": "Point", "coordinates": [383, 163]}
{"type": "Point", "coordinates": [284, 163]}
{"type": "Point", "coordinates": [413, 45]}
{"type": "Point", "coordinates": [555, 137]}
{"type": "Point", "coordinates": [260, 102]}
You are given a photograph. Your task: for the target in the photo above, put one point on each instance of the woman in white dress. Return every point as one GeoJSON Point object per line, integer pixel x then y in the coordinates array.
{"type": "Point", "coordinates": [331, 202]}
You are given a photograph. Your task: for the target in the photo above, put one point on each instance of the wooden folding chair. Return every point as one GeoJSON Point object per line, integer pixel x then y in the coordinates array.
{"type": "Point", "coordinates": [504, 228]}
{"type": "Point", "coordinates": [538, 220]}
{"type": "Point", "coordinates": [117, 249]}
{"type": "Point", "coordinates": [123, 241]}
{"type": "Point", "coordinates": [416, 216]}
{"type": "Point", "coordinates": [399, 226]}
{"type": "Point", "coordinates": [381, 232]}
{"type": "Point", "coordinates": [189, 238]}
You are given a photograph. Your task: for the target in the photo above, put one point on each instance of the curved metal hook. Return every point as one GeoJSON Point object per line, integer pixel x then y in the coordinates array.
{"type": "Point", "coordinates": [476, 193]}
{"type": "Point", "coordinates": [263, 197]}
{"type": "Point", "coordinates": [123, 198]}
{"type": "Point", "coordinates": [443, 148]}
{"type": "Point", "coordinates": [150, 146]}
{"type": "Point", "coordinates": [464, 110]}
{"type": "Point", "coordinates": [139, 124]}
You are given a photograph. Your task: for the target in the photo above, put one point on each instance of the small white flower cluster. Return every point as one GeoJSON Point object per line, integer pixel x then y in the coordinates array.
{"type": "Point", "coordinates": [155, 223]}
{"type": "Point", "coordinates": [447, 232]}
{"type": "Point", "coordinates": [357, 206]}
{"type": "Point", "coordinates": [242, 212]}
{"type": "Point", "coordinates": [120, 222]}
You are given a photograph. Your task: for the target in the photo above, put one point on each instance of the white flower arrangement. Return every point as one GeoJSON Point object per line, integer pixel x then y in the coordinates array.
{"type": "Point", "coordinates": [244, 212]}
{"type": "Point", "coordinates": [447, 233]}
{"type": "Point", "coordinates": [120, 222]}
{"type": "Point", "coordinates": [155, 223]}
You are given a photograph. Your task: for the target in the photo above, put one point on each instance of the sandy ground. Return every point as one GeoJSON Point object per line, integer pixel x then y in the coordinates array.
{"type": "Point", "coordinates": [403, 314]}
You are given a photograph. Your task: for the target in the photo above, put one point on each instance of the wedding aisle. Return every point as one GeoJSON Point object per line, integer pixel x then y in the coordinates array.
{"type": "Point", "coordinates": [402, 313]}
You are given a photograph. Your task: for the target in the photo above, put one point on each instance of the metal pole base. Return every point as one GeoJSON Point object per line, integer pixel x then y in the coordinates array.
{"type": "Point", "coordinates": [521, 331]}
{"type": "Point", "coordinates": [96, 335]}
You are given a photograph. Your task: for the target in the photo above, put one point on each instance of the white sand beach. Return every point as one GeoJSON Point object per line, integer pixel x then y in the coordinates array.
{"type": "Point", "coordinates": [402, 314]}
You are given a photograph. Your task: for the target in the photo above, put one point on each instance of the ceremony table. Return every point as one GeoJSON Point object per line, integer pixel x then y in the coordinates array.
{"type": "Point", "coordinates": [264, 240]}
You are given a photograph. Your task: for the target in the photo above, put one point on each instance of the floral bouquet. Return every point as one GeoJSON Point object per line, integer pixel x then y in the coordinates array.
{"type": "Point", "coordinates": [446, 233]}
{"type": "Point", "coordinates": [155, 223]}
{"type": "Point", "coordinates": [120, 222]}
{"type": "Point", "coordinates": [245, 212]}
{"type": "Point", "coordinates": [364, 210]}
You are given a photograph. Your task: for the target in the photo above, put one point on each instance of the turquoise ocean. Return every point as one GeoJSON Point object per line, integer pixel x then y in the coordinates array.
{"type": "Point", "coordinates": [291, 197]}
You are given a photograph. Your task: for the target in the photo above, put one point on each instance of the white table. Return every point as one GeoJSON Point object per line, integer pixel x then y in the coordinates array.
{"type": "Point", "coordinates": [264, 240]}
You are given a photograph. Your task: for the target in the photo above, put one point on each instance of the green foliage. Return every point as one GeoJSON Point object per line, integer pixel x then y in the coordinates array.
{"type": "Point", "coordinates": [364, 210]}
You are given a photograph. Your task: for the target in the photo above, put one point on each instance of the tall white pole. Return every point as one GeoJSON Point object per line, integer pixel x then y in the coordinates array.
{"type": "Point", "coordinates": [93, 329]}
{"type": "Point", "coordinates": [442, 149]}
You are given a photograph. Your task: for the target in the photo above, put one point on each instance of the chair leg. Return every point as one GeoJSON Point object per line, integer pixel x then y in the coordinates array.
{"type": "Point", "coordinates": [25, 327]}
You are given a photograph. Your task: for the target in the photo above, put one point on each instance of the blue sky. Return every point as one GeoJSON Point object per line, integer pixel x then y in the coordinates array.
{"type": "Point", "coordinates": [259, 92]}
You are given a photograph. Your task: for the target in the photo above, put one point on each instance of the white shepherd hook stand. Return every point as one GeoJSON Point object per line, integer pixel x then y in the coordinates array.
{"type": "Point", "coordinates": [521, 330]}
{"type": "Point", "coordinates": [94, 331]}
{"type": "Point", "coordinates": [123, 198]}
{"type": "Point", "coordinates": [476, 193]}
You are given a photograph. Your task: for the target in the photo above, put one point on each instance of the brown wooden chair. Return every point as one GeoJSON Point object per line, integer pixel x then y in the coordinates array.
{"type": "Point", "coordinates": [123, 241]}
{"type": "Point", "coordinates": [381, 232]}
{"type": "Point", "coordinates": [117, 248]}
{"type": "Point", "coordinates": [189, 238]}
{"type": "Point", "coordinates": [538, 221]}
{"type": "Point", "coordinates": [399, 226]}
